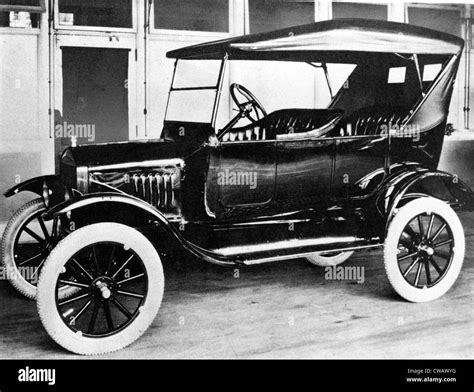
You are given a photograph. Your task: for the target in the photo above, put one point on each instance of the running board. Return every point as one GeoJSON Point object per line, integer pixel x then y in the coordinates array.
{"type": "Point", "coordinates": [306, 254]}
{"type": "Point", "coordinates": [290, 249]}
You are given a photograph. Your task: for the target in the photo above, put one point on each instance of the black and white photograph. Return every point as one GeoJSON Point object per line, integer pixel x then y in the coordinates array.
{"type": "Point", "coordinates": [238, 180]}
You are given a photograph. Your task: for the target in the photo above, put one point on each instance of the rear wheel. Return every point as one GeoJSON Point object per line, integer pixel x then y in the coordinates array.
{"type": "Point", "coordinates": [329, 259]}
{"type": "Point", "coordinates": [424, 249]}
{"type": "Point", "coordinates": [120, 279]}
{"type": "Point", "coordinates": [26, 243]}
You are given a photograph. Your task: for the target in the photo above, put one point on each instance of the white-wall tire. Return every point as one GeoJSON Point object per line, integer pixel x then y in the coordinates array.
{"type": "Point", "coordinates": [126, 239]}
{"type": "Point", "coordinates": [9, 251]}
{"type": "Point", "coordinates": [408, 258]}
{"type": "Point", "coordinates": [329, 259]}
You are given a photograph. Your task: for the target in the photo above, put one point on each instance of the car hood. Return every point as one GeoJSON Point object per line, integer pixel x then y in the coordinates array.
{"type": "Point", "coordinates": [99, 155]}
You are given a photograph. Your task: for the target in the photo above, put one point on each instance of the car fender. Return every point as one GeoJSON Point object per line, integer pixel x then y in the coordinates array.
{"type": "Point", "coordinates": [49, 187]}
{"type": "Point", "coordinates": [421, 182]}
{"type": "Point", "coordinates": [142, 206]}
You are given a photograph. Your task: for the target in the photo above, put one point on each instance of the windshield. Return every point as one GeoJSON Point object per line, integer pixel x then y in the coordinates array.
{"type": "Point", "coordinates": [193, 91]}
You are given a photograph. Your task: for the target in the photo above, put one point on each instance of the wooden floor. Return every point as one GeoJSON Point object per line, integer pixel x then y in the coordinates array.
{"type": "Point", "coordinates": [278, 310]}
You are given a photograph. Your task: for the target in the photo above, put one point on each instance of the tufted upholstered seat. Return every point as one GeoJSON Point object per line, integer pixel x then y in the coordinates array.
{"type": "Point", "coordinates": [369, 121]}
{"type": "Point", "coordinates": [287, 122]}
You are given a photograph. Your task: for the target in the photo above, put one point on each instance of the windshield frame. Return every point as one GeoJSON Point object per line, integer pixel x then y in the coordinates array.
{"type": "Point", "coordinates": [217, 87]}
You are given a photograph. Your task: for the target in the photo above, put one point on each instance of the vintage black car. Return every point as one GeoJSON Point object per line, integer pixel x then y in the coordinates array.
{"type": "Point", "coordinates": [320, 183]}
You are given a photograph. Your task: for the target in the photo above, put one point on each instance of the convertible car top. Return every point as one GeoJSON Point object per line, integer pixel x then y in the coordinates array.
{"type": "Point", "coordinates": [376, 47]}
{"type": "Point", "coordinates": [324, 41]}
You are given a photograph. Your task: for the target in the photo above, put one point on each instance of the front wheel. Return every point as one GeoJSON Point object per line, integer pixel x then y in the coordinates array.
{"type": "Point", "coordinates": [424, 249]}
{"type": "Point", "coordinates": [120, 279]}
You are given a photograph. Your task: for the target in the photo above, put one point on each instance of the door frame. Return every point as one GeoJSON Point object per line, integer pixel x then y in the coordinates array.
{"type": "Point", "coordinates": [115, 41]}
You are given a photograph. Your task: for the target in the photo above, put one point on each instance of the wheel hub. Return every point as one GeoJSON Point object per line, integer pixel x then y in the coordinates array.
{"type": "Point", "coordinates": [424, 249]}
{"type": "Point", "coordinates": [104, 288]}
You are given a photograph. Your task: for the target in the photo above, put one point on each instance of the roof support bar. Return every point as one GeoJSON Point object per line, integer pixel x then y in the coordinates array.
{"type": "Point", "coordinates": [220, 82]}
{"type": "Point", "coordinates": [326, 74]}
{"type": "Point", "coordinates": [172, 83]}
{"type": "Point", "coordinates": [418, 72]}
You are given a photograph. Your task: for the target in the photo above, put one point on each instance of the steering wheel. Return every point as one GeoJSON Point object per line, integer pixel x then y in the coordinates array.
{"type": "Point", "coordinates": [249, 105]}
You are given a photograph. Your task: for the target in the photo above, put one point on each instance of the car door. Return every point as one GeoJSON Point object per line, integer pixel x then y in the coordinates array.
{"type": "Point", "coordinates": [304, 171]}
{"type": "Point", "coordinates": [241, 178]}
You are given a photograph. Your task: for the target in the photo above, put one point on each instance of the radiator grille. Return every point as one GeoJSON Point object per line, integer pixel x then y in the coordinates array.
{"type": "Point", "coordinates": [160, 189]}
{"type": "Point", "coordinates": [158, 186]}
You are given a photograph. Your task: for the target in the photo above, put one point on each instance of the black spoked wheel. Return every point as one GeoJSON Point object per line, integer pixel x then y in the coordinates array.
{"type": "Point", "coordinates": [33, 250]}
{"type": "Point", "coordinates": [112, 284]}
{"type": "Point", "coordinates": [424, 249]}
{"type": "Point", "coordinates": [26, 243]}
{"type": "Point", "coordinates": [119, 281]}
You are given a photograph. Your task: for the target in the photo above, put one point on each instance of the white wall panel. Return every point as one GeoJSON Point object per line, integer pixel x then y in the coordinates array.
{"type": "Point", "coordinates": [19, 97]}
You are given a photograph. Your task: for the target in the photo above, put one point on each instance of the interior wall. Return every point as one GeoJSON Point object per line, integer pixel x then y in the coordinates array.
{"type": "Point", "coordinates": [20, 152]}
{"type": "Point", "coordinates": [359, 10]}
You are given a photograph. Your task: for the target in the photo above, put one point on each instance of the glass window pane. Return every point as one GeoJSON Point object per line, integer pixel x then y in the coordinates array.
{"type": "Point", "coordinates": [194, 106]}
{"type": "Point", "coordinates": [196, 73]}
{"type": "Point", "coordinates": [396, 75]}
{"type": "Point", "coordinates": [448, 21]}
{"type": "Point", "coordinates": [359, 10]}
{"type": "Point", "coordinates": [22, 5]}
{"type": "Point", "coordinates": [430, 71]}
{"type": "Point", "coordinates": [266, 15]}
{"type": "Point", "coordinates": [194, 15]}
{"type": "Point", "coordinates": [24, 20]}
{"type": "Point", "coordinates": [96, 13]}
{"type": "Point", "coordinates": [21, 2]}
